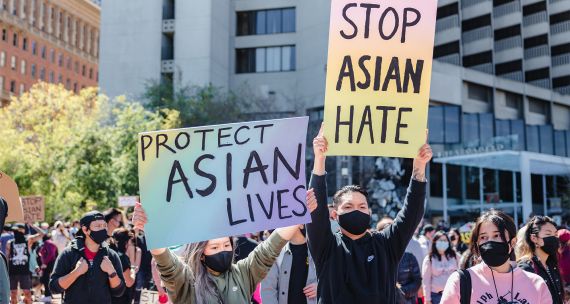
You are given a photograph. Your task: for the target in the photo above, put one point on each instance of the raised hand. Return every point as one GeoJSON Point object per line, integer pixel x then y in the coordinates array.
{"type": "Point", "coordinates": [320, 144]}
{"type": "Point", "coordinates": [311, 200]}
{"type": "Point", "coordinates": [139, 217]}
{"type": "Point", "coordinates": [422, 159]}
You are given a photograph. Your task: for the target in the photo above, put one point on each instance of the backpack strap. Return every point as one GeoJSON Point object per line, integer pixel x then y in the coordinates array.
{"type": "Point", "coordinates": [464, 286]}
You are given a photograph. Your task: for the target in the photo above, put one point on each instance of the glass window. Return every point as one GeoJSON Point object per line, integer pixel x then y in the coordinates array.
{"type": "Point", "coordinates": [546, 137]}
{"type": "Point", "coordinates": [286, 58]}
{"type": "Point", "coordinates": [532, 140]}
{"type": "Point", "coordinates": [34, 48]}
{"type": "Point", "coordinates": [274, 21]}
{"type": "Point", "coordinates": [245, 23]}
{"type": "Point", "coordinates": [23, 67]}
{"type": "Point", "coordinates": [13, 63]}
{"type": "Point", "coordinates": [43, 74]}
{"type": "Point", "coordinates": [436, 128]}
{"type": "Point", "coordinates": [454, 181]}
{"type": "Point", "coordinates": [567, 142]}
{"type": "Point", "coordinates": [51, 77]}
{"type": "Point", "coordinates": [502, 127]}
{"type": "Point", "coordinates": [13, 86]}
{"type": "Point", "coordinates": [260, 60]}
{"type": "Point", "coordinates": [506, 186]}
{"type": "Point", "coordinates": [273, 59]}
{"type": "Point", "coordinates": [485, 128]}
{"type": "Point", "coordinates": [452, 126]}
{"type": "Point", "coordinates": [518, 129]}
{"type": "Point", "coordinates": [33, 71]}
{"type": "Point", "coordinates": [472, 183]}
{"type": "Point", "coordinates": [293, 58]}
{"type": "Point", "coordinates": [2, 58]}
{"type": "Point", "coordinates": [260, 22]}
{"type": "Point", "coordinates": [22, 88]}
{"type": "Point", "coordinates": [52, 55]}
{"type": "Point", "coordinates": [245, 60]}
{"type": "Point", "coordinates": [538, 106]}
{"type": "Point", "coordinates": [559, 143]}
{"type": "Point", "coordinates": [43, 52]}
{"type": "Point", "coordinates": [15, 41]}
{"type": "Point", "coordinates": [479, 92]}
{"type": "Point", "coordinates": [25, 44]}
{"type": "Point", "coordinates": [470, 130]}
{"type": "Point", "coordinates": [436, 177]}
{"type": "Point", "coordinates": [1, 83]}
{"type": "Point", "coordinates": [288, 20]}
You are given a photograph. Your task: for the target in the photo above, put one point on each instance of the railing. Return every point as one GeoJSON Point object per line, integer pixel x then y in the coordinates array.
{"type": "Point", "coordinates": [477, 34]}
{"type": "Point", "coordinates": [508, 43]}
{"type": "Point", "coordinates": [468, 3]}
{"type": "Point", "coordinates": [535, 18]}
{"type": "Point", "coordinates": [544, 83]}
{"type": "Point", "coordinates": [506, 9]}
{"type": "Point", "coordinates": [516, 76]}
{"type": "Point", "coordinates": [447, 23]}
{"type": "Point", "coordinates": [561, 27]}
{"type": "Point", "coordinates": [453, 59]}
{"type": "Point", "coordinates": [560, 59]}
{"type": "Point", "coordinates": [485, 68]}
{"type": "Point", "coordinates": [563, 90]}
{"type": "Point", "coordinates": [537, 51]}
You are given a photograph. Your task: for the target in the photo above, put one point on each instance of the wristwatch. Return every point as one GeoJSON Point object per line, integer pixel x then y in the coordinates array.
{"type": "Point", "coordinates": [112, 275]}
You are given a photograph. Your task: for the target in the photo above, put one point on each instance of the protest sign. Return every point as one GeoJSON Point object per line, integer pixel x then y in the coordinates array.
{"type": "Point", "coordinates": [465, 231]}
{"type": "Point", "coordinates": [149, 297]}
{"type": "Point", "coordinates": [9, 191]}
{"type": "Point", "coordinates": [378, 76]}
{"type": "Point", "coordinates": [208, 182]}
{"type": "Point", "coordinates": [128, 201]}
{"type": "Point", "coordinates": [34, 208]}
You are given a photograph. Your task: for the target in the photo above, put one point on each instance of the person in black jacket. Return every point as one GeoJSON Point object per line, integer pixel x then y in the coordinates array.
{"type": "Point", "coordinates": [356, 266]}
{"type": "Point", "coordinates": [409, 274]}
{"type": "Point", "coordinates": [88, 271]}
{"type": "Point", "coordinates": [537, 253]}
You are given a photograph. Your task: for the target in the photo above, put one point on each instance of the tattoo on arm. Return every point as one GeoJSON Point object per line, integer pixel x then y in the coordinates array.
{"type": "Point", "coordinates": [419, 175]}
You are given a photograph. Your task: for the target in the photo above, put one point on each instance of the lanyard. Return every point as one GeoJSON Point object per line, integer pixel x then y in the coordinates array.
{"type": "Point", "coordinates": [501, 299]}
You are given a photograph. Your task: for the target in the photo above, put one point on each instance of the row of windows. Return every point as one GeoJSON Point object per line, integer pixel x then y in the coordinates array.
{"type": "Point", "coordinates": [14, 63]}
{"type": "Point", "coordinates": [266, 22]}
{"type": "Point", "coordinates": [14, 89]}
{"type": "Point", "coordinates": [448, 126]}
{"type": "Point", "coordinates": [265, 59]}
{"type": "Point", "coordinates": [57, 22]}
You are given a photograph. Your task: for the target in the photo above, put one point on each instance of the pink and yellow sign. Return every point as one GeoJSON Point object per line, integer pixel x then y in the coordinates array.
{"type": "Point", "coordinates": [223, 180]}
{"type": "Point", "coordinates": [378, 76]}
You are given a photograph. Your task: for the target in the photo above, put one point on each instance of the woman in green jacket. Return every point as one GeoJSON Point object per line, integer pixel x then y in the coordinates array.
{"type": "Point", "coordinates": [207, 275]}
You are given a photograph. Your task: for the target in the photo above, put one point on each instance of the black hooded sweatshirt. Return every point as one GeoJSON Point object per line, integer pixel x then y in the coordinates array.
{"type": "Point", "coordinates": [363, 270]}
{"type": "Point", "coordinates": [91, 287]}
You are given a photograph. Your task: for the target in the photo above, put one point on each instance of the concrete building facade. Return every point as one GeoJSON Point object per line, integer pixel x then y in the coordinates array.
{"type": "Point", "coordinates": [499, 81]}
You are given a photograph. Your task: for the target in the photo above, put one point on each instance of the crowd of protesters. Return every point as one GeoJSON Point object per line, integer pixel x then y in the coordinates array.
{"type": "Point", "coordinates": [337, 258]}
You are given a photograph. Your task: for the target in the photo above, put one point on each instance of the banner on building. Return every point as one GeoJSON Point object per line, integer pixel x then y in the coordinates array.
{"type": "Point", "coordinates": [9, 191]}
{"type": "Point", "coordinates": [378, 76]}
{"type": "Point", "coordinates": [215, 181]}
{"type": "Point", "coordinates": [34, 208]}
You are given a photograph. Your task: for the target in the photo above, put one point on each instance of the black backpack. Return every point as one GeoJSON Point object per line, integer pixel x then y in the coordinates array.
{"type": "Point", "coordinates": [464, 286]}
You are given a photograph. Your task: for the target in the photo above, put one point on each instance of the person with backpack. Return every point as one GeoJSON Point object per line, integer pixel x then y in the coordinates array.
{"type": "Point", "coordinates": [440, 263]}
{"type": "Point", "coordinates": [538, 253]}
{"type": "Point", "coordinates": [88, 271]}
{"type": "Point", "coordinates": [496, 279]}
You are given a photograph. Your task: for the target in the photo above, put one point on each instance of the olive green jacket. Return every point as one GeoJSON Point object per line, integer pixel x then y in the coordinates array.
{"type": "Point", "coordinates": [235, 286]}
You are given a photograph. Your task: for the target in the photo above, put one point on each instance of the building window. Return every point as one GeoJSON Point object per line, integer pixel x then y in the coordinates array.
{"type": "Point", "coordinates": [479, 92]}
{"type": "Point", "coordinates": [268, 59]}
{"type": "Point", "coordinates": [60, 60]}
{"type": "Point", "coordinates": [51, 77]}
{"type": "Point", "coordinates": [513, 101]}
{"type": "Point", "coordinates": [43, 74]}
{"type": "Point", "coordinates": [60, 78]}
{"type": "Point", "coordinates": [25, 44]}
{"type": "Point", "coordinates": [76, 67]}
{"type": "Point", "coordinates": [83, 70]}
{"type": "Point", "coordinates": [4, 34]}
{"type": "Point", "coordinates": [33, 71]}
{"type": "Point", "coordinates": [538, 106]}
{"type": "Point", "coordinates": [13, 63]}
{"type": "Point", "coordinates": [15, 41]}
{"type": "Point", "coordinates": [69, 63]}
{"type": "Point", "coordinates": [13, 86]}
{"type": "Point", "coordinates": [34, 48]}
{"type": "Point", "coordinates": [52, 55]}
{"type": "Point", "coordinates": [445, 124]}
{"type": "Point", "coordinates": [75, 87]}
{"type": "Point", "coordinates": [67, 84]}
{"type": "Point", "coordinates": [43, 52]}
{"type": "Point", "coordinates": [266, 22]}
{"type": "Point", "coordinates": [478, 129]}
{"type": "Point", "coordinates": [23, 67]}
{"type": "Point", "coordinates": [559, 143]}
{"type": "Point", "coordinates": [532, 139]}
{"type": "Point", "coordinates": [2, 59]}
{"type": "Point", "coordinates": [90, 73]}
{"type": "Point", "coordinates": [22, 88]}
{"type": "Point", "coordinates": [1, 84]}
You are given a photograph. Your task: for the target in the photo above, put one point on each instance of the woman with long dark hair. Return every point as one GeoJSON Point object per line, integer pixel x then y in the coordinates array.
{"type": "Point", "coordinates": [537, 253]}
{"type": "Point", "coordinates": [441, 262]}
{"type": "Point", "coordinates": [456, 241]}
{"type": "Point", "coordinates": [122, 240]}
{"type": "Point", "coordinates": [496, 279]}
{"type": "Point", "coordinates": [207, 274]}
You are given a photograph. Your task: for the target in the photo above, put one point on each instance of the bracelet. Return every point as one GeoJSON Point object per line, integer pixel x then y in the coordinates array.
{"type": "Point", "coordinates": [113, 275]}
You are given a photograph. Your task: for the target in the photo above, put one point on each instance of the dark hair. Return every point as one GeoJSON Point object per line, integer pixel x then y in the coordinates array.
{"type": "Point", "coordinates": [449, 252]}
{"type": "Point", "coordinates": [504, 223]}
{"type": "Point", "coordinates": [533, 227]}
{"type": "Point", "coordinates": [345, 190]}
{"type": "Point", "coordinates": [427, 228]}
{"type": "Point", "coordinates": [121, 237]}
{"type": "Point", "coordinates": [111, 213]}
{"type": "Point", "coordinates": [457, 234]}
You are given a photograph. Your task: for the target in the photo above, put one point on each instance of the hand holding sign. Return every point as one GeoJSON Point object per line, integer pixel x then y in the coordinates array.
{"type": "Point", "coordinates": [422, 159]}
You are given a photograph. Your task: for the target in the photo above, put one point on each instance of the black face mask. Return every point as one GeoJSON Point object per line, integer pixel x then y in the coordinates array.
{"type": "Point", "coordinates": [494, 254]}
{"type": "Point", "coordinates": [355, 222]}
{"type": "Point", "coordinates": [219, 262]}
{"type": "Point", "coordinates": [99, 236]}
{"type": "Point", "coordinates": [551, 245]}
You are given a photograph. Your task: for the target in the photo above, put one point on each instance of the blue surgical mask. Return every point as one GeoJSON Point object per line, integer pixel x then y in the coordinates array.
{"type": "Point", "coordinates": [442, 245]}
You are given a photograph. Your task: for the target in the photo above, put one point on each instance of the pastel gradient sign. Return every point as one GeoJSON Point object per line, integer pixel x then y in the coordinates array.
{"type": "Point", "coordinates": [378, 76]}
{"type": "Point", "coordinates": [209, 182]}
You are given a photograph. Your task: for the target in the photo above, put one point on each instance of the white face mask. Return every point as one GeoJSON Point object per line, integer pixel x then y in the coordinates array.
{"type": "Point", "coordinates": [441, 245]}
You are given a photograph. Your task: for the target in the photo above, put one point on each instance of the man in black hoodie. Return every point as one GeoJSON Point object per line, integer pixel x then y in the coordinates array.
{"type": "Point", "coordinates": [354, 265]}
{"type": "Point", "coordinates": [88, 271]}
